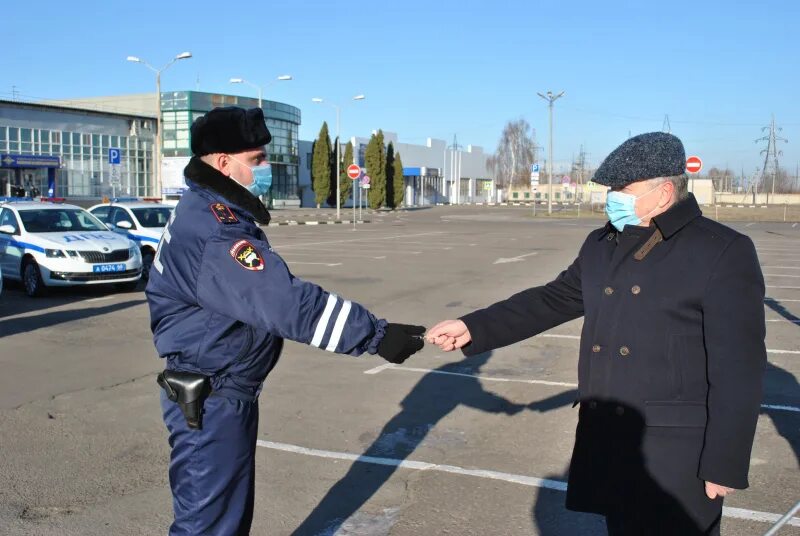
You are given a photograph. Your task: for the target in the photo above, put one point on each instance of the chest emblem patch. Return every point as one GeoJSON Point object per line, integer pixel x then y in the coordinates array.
{"type": "Point", "coordinates": [247, 256]}
{"type": "Point", "coordinates": [223, 213]}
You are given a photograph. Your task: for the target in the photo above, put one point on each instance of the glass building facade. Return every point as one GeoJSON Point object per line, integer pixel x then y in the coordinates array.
{"type": "Point", "coordinates": [43, 145]}
{"type": "Point", "coordinates": [179, 109]}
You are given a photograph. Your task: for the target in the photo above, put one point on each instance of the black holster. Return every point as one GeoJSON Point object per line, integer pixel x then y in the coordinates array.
{"type": "Point", "coordinates": [189, 390]}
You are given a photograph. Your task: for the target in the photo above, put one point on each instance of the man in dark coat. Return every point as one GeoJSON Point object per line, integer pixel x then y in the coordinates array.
{"type": "Point", "coordinates": [672, 350]}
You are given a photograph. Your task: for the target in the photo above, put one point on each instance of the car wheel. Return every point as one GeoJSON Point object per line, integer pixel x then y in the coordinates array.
{"type": "Point", "coordinates": [32, 279]}
{"type": "Point", "coordinates": [147, 262]}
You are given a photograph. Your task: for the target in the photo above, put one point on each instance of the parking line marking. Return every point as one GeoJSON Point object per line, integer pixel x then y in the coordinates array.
{"type": "Point", "coordinates": [101, 298]}
{"type": "Point", "coordinates": [353, 240]}
{"type": "Point", "coordinates": [780, 275]}
{"type": "Point", "coordinates": [781, 408]}
{"type": "Point", "coordinates": [782, 267]}
{"type": "Point", "coordinates": [525, 480]}
{"type": "Point", "coordinates": [780, 300]}
{"type": "Point", "coordinates": [783, 320]}
{"type": "Point", "coordinates": [379, 368]}
{"type": "Point", "coordinates": [390, 366]}
{"type": "Point", "coordinates": [774, 286]}
{"type": "Point", "coordinates": [578, 337]}
{"type": "Point", "coordinates": [329, 264]}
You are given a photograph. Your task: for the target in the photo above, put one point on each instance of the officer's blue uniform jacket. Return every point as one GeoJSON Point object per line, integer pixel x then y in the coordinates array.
{"type": "Point", "coordinates": [221, 303]}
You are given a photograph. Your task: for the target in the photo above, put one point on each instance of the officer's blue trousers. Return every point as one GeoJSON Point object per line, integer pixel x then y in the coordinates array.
{"type": "Point", "coordinates": [212, 471]}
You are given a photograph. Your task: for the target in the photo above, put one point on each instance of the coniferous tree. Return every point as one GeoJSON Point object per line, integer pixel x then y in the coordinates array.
{"type": "Point", "coordinates": [321, 166]}
{"type": "Point", "coordinates": [345, 183]}
{"type": "Point", "coordinates": [376, 169]}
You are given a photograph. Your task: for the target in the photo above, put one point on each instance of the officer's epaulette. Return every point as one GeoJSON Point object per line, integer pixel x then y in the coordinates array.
{"type": "Point", "coordinates": [223, 213]}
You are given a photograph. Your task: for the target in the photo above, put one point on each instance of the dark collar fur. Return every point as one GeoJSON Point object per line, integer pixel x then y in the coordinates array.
{"type": "Point", "coordinates": [207, 177]}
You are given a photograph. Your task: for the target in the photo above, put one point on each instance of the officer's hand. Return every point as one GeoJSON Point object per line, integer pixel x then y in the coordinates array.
{"type": "Point", "coordinates": [400, 342]}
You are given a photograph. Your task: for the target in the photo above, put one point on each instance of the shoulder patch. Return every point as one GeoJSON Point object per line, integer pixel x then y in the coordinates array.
{"type": "Point", "coordinates": [247, 256]}
{"type": "Point", "coordinates": [223, 213]}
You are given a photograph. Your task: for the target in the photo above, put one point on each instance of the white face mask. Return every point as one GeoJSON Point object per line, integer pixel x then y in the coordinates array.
{"type": "Point", "coordinates": [262, 178]}
{"type": "Point", "coordinates": [621, 209]}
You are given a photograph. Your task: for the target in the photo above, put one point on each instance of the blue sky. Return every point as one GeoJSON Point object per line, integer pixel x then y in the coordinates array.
{"type": "Point", "coordinates": [438, 68]}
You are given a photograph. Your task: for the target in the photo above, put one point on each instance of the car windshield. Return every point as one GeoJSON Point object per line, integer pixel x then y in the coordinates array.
{"type": "Point", "coordinates": [152, 216]}
{"type": "Point", "coordinates": [59, 220]}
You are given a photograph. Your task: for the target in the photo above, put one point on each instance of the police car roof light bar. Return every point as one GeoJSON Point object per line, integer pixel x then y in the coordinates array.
{"type": "Point", "coordinates": [123, 199]}
{"type": "Point", "coordinates": [15, 199]}
{"type": "Point", "coordinates": [52, 199]}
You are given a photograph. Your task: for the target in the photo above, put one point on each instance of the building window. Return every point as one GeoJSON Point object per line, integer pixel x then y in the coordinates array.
{"type": "Point", "coordinates": [55, 137]}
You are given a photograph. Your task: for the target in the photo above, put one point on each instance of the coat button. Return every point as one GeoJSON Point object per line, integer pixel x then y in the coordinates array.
{"type": "Point", "coordinates": [624, 351]}
{"type": "Point", "coordinates": [610, 237]}
{"type": "Point", "coordinates": [609, 291]}
{"type": "Point", "coordinates": [619, 410]}
{"type": "Point", "coordinates": [592, 404]}
{"type": "Point", "coordinates": [596, 348]}
{"type": "Point", "coordinates": [636, 289]}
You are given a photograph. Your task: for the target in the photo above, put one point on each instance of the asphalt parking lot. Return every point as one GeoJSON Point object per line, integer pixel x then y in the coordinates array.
{"type": "Point", "coordinates": [448, 445]}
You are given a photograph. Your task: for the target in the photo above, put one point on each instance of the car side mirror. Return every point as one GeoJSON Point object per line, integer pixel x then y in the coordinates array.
{"type": "Point", "coordinates": [124, 225]}
{"type": "Point", "coordinates": [7, 229]}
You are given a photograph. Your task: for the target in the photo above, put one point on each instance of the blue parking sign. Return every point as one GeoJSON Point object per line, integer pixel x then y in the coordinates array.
{"type": "Point", "coordinates": [114, 156]}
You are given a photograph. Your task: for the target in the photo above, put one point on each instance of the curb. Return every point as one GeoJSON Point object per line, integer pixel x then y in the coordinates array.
{"type": "Point", "coordinates": [336, 222]}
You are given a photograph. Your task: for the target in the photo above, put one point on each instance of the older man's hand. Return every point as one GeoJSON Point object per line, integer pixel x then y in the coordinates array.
{"type": "Point", "coordinates": [449, 335]}
{"type": "Point", "coordinates": [715, 490]}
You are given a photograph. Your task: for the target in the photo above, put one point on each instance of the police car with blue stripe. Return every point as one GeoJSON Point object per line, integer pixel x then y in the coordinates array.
{"type": "Point", "coordinates": [47, 244]}
{"type": "Point", "coordinates": [140, 220]}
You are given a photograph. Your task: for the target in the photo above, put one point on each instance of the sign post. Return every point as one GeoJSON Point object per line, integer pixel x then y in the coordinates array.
{"type": "Point", "coordinates": [354, 172]}
{"type": "Point", "coordinates": [363, 185]}
{"type": "Point", "coordinates": [693, 166]}
{"type": "Point", "coordinates": [534, 183]}
{"type": "Point", "coordinates": [114, 161]}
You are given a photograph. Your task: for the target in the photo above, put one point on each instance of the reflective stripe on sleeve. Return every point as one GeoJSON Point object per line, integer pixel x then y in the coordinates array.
{"type": "Point", "coordinates": [324, 320]}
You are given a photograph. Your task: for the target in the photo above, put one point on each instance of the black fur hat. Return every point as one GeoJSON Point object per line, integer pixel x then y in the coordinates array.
{"type": "Point", "coordinates": [229, 130]}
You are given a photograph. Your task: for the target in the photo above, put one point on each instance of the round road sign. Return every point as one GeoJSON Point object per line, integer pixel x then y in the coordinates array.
{"type": "Point", "coordinates": [694, 164]}
{"type": "Point", "coordinates": [353, 171]}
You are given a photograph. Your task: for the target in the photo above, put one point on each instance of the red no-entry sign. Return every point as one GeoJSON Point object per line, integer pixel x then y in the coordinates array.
{"type": "Point", "coordinates": [353, 171]}
{"type": "Point", "coordinates": [694, 164]}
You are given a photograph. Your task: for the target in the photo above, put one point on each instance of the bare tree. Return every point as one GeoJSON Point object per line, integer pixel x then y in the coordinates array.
{"type": "Point", "coordinates": [516, 151]}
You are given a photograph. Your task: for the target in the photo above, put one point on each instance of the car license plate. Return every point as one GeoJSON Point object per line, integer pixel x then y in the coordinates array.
{"type": "Point", "coordinates": [103, 268]}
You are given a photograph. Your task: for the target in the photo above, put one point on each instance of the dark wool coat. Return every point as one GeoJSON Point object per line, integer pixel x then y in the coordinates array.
{"type": "Point", "coordinates": [671, 361]}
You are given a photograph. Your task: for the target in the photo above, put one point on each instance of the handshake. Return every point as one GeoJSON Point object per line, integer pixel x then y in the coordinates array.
{"type": "Point", "coordinates": [401, 341]}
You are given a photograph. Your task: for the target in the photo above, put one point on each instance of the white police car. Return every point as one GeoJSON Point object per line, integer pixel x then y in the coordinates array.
{"type": "Point", "coordinates": [51, 244]}
{"type": "Point", "coordinates": [141, 221]}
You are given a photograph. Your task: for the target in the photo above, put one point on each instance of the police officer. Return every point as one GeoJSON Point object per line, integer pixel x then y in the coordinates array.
{"type": "Point", "coordinates": [221, 304]}
{"type": "Point", "coordinates": [672, 350]}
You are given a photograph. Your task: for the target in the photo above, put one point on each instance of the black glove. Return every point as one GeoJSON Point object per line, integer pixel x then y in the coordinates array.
{"type": "Point", "coordinates": [400, 342]}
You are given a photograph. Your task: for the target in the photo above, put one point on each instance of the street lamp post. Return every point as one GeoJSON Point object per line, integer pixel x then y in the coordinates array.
{"type": "Point", "coordinates": [550, 99]}
{"type": "Point", "coordinates": [157, 155]}
{"type": "Point", "coordinates": [338, 158]}
{"type": "Point", "coordinates": [259, 88]}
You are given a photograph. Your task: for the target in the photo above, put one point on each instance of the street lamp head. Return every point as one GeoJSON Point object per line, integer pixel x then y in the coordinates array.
{"type": "Point", "coordinates": [236, 80]}
{"type": "Point", "coordinates": [316, 99]}
{"type": "Point", "coordinates": [359, 97]}
{"type": "Point", "coordinates": [183, 56]}
{"type": "Point", "coordinates": [134, 59]}
{"type": "Point", "coordinates": [285, 77]}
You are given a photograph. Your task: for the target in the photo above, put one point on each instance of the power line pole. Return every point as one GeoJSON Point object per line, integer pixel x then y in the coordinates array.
{"type": "Point", "coordinates": [550, 98]}
{"type": "Point", "coordinates": [665, 126]}
{"type": "Point", "coordinates": [771, 151]}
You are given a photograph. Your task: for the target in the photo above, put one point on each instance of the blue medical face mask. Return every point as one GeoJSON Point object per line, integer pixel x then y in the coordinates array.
{"type": "Point", "coordinates": [621, 209]}
{"type": "Point", "coordinates": [262, 179]}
